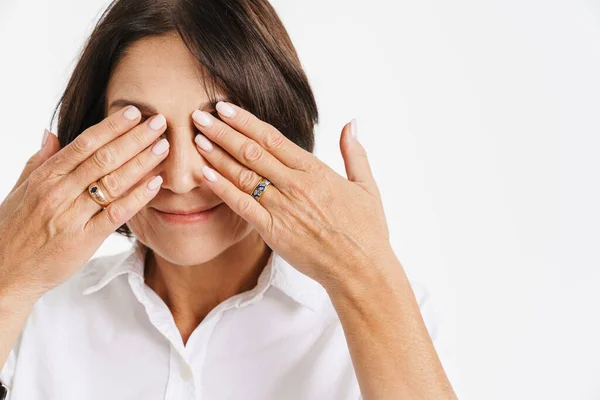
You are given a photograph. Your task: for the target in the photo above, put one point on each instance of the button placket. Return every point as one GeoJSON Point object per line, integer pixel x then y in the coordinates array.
{"type": "Point", "coordinates": [173, 391]}
{"type": "Point", "coordinates": [180, 384]}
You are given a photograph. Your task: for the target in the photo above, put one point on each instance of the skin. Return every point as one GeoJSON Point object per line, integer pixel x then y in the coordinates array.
{"type": "Point", "coordinates": [194, 267]}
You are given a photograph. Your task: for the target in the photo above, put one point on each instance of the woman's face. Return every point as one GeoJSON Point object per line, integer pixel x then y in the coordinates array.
{"type": "Point", "coordinates": [161, 73]}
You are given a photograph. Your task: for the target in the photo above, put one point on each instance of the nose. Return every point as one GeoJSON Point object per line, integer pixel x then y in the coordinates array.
{"type": "Point", "coordinates": [181, 170]}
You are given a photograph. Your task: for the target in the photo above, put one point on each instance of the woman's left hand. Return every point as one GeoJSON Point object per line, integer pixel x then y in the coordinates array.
{"type": "Point", "coordinates": [329, 227]}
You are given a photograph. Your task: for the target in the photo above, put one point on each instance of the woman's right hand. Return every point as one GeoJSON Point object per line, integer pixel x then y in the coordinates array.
{"type": "Point", "coordinates": [49, 224]}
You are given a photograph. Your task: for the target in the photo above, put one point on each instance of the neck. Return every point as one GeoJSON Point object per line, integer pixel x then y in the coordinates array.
{"type": "Point", "coordinates": [192, 291]}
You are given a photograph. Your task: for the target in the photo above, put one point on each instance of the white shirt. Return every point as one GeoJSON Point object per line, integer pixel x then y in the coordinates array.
{"type": "Point", "coordinates": [104, 334]}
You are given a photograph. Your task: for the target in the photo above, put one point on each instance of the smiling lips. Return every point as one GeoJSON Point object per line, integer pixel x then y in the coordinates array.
{"type": "Point", "coordinates": [173, 216]}
{"type": "Point", "coordinates": [187, 212]}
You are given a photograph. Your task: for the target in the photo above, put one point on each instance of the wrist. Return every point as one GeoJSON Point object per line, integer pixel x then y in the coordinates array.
{"type": "Point", "coordinates": [380, 275]}
{"type": "Point", "coordinates": [15, 297]}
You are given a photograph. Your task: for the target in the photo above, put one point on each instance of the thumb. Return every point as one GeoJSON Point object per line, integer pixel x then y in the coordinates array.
{"type": "Point", "coordinates": [356, 163]}
{"type": "Point", "coordinates": [49, 147]}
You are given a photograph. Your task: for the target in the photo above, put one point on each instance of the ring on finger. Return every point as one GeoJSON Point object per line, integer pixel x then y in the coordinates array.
{"type": "Point", "coordinates": [96, 192]}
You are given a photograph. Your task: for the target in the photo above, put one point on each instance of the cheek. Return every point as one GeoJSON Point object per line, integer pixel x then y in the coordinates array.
{"type": "Point", "coordinates": [238, 228]}
{"type": "Point", "coordinates": [140, 224]}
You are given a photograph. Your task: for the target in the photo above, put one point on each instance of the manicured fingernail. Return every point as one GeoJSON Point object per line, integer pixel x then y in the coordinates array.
{"type": "Point", "coordinates": [160, 147]}
{"type": "Point", "coordinates": [155, 182]}
{"type": "Point", "coordinates": [209, 173]}
{"type": "Point", "coordinates": [353, 128]}
{"type": "Point", "coordinates": [225, 109]}
{"type": "Point", "coordinates": [203, 142]}
{"type": "Point", "coordinates": [45, 138]}
{"type": "Point", "coordinates": [131, 113]}
{"type": "Point", "coordinates": [202, 118]}
{"type": "Point", "coordinates": [157, 122]}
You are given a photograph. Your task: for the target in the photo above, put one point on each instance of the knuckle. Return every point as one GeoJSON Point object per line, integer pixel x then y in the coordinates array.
{"type": "Point", "coordinates": [47, 199]}
{"type": "Point", "coordinates": [247, 179]}
{"type": "Point", "coordinates": [251, 152]}
{"type": "Point", "coordinates": [222, 159]}
{"type": "Point", "coordinates": [141, 197]}
{"type": "Point", "coordinates": [83, 144]}
{"type": "Point", "coordinates": [112, 186]}
{"type": "Point", "coordinates": [220, 133]}
{"type": "Point", "coordinates": [50, 199]}
{"type": "Point", "coordinates": [115, 213]}
{"type": "Point", "coordinates": [244, 206]}
{"type": "Point", "coordinates": [103, 158]}
{"type": "Point", "coordinates": [36, 175]}
{"type": "Point", "coordinates": [140, 137]}
{"type": "Point", "coordinates": [300, 188]}
{"type": "Point", "coordinates": [246, 120]}
{"type": "Point", "coordinates": [112, 125]}
{"type": "Point", "coordinates": [47, 169]}
{"type": "Point", "coordinates": [302, 164]}
{"type": "Point", "coordinates": [273, 140]}
{"type": "Point", "coordinates": [137, 166]}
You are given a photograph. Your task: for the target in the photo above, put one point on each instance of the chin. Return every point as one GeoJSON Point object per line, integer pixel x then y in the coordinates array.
{"type": "Point", "coordinates": [189, 251]}
{"type": "Point", "coordinates": [185, 247]}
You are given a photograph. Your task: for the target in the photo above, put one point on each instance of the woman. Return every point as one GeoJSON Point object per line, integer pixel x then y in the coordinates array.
{"type": "Point", "coordinates": [236, 287]}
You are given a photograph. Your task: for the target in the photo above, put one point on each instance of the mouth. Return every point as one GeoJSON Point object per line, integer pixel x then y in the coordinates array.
{"type": "Point", "coordinates": [179, 216]}
{"type": "Point", "coordinates": [188, 212]}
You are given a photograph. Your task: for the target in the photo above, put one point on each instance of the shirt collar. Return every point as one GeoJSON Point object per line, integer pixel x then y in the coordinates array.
{"type": "Point", "coordinates": [277, 273]}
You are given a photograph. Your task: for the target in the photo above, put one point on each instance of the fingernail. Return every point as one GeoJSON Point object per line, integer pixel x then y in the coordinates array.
{"type": "Point", "coordinates": [225, 109]}
{"type": "Point", "coordinates": [131, 113]}
{"type": "Point", "coordinates": [353, 128]}
{"type": "Point", "coordinates": [203, 142]}
{"type": "Point", "coordinates": [209, 173]}
{"type": "Point", "coordinates": [201, 118]}
{"type": "Point", "coordinates": [157, 122]}
{"type": "Point", "coordinates": [160, 147]}
{"type": "Point", "coordinates": [45, 138]}
{"type": "Point", "coordinates": [155, 182]}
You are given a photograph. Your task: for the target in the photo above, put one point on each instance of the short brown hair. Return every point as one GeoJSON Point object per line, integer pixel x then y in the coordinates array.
{"type": "Point", "coordinates": [241, 43]}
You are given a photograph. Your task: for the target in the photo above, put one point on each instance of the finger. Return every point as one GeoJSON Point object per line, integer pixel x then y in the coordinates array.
{"type": "Point", "coordinates": [116, 153]}
{"type": "Point", "coordinates": [245, 150]}
{"type": "Point", "coordinates": [120, 211]}
{"type": "Point", "coordinates": [241, 203]}
{"type": "Point", "coordinates": [90, 140]}
{"type": "Point", "coordinates": [244, 178]}
{"type": "Point", "coordinates": [45, 152]}
{"type": "Point", "coordinates": [117, 183]}
{"type": "Point", "coordinates": [355, 158]}
{"type": "Point", "coordinates": [276, 143]}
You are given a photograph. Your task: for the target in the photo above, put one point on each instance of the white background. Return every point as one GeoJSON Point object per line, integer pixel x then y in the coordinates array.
{"type": "Point", "coordinates": [481, 120]}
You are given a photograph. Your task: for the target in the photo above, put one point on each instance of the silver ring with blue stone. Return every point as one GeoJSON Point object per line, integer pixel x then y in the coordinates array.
{"type": "Point", "coordinates": [260, 189]}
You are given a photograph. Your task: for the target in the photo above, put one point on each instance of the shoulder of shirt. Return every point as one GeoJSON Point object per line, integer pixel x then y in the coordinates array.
{"type": "Point", "coordinates": [90, 274]}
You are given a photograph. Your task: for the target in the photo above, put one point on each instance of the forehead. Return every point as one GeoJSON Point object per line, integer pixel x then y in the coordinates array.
{"type": "Point", "coordinates": [159, 71]}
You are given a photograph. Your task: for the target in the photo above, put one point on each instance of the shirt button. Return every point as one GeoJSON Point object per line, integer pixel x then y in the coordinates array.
{"type": "Point", "coordinates": [186, 373]}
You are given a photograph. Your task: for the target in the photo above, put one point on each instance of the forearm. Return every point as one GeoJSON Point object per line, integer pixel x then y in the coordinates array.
{"type": "Point", "coordinates": [14, 311]}
{"type": "Point", "coordinates": [392, 352]}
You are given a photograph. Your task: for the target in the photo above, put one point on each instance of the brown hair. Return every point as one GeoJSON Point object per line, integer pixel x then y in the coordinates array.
{"type": "Point", "coordinates": [241, 43]}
